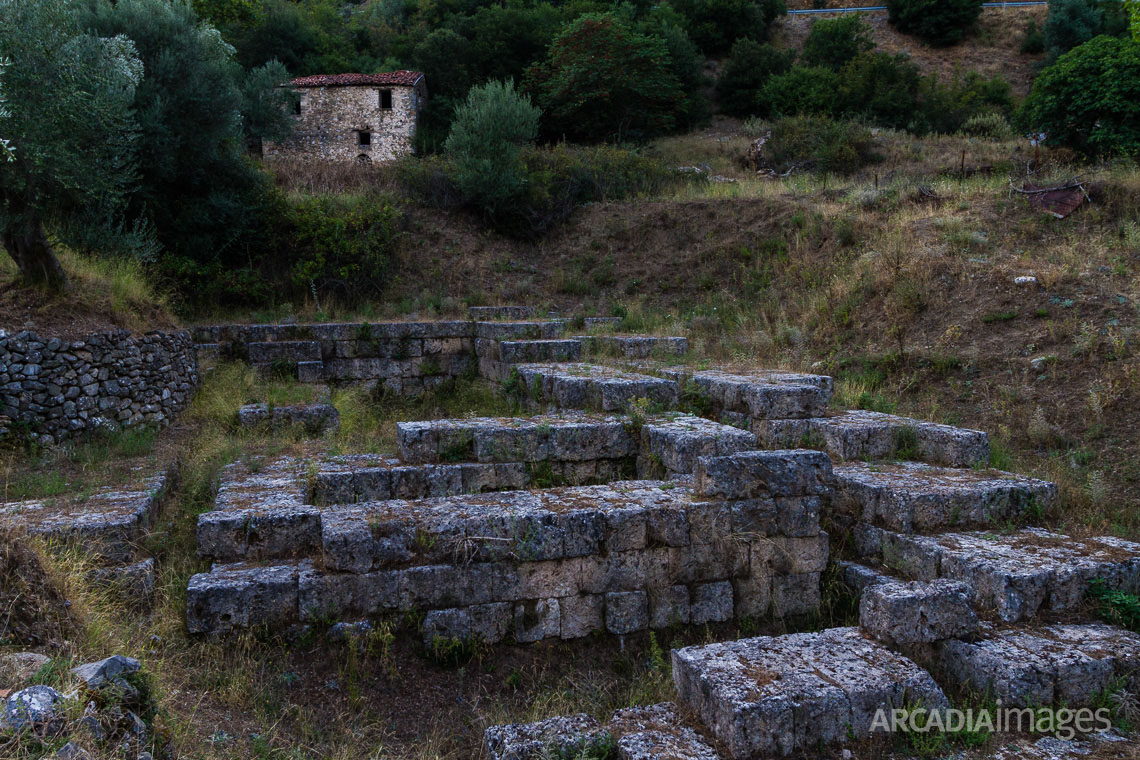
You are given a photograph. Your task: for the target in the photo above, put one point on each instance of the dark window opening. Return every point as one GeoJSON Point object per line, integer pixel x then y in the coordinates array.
{"type": "Point", "coordinates": [386, 100]}
{"type": "Point", "coordinates": [297, 108]}
{"type": "Point", "coordinates": [363, 138]}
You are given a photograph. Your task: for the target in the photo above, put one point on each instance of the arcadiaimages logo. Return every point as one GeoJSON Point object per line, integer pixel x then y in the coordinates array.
{"type": "Point", "coordinates": [1063, 722]}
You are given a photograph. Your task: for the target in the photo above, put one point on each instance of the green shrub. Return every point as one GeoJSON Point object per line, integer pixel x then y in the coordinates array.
{"type": "Point", "coordinates": [937, 22]}
{"type": "Point", "coordinates": [602, 79]}
{"type": "Point", "coordinates": [1089, 100]}
{"type": "Point", "coordinates": [946, 108]}
{"type": "Point", "coordinates": [803, 90]}
{"type": "Point", "coordinates": [834, 42]}
{"type": "Point", "coordinates": [749, 67]}
{"type": "Point", "coordinates": [340, 244]}
{"type": "Point", "coordinates": [820, 142]}
{"type": "Point", "coordinates": [989, 125]}
{"type": "Point", "coordinates": [883, 89]}
{"type": "Point", "coordinates": [486, 137]}
{"type": "Point", "coordinates": [1071, 23]}
{"type": "Point", "coordinates": [1034, 40]}
{"type": "Point", "coordinates": [715, 24]}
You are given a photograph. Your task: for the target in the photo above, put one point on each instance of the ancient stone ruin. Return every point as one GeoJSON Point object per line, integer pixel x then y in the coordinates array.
{"type": "Point", "coordinates": [353, 117]}
{"type": "Point", "coordinates": [606, 507]}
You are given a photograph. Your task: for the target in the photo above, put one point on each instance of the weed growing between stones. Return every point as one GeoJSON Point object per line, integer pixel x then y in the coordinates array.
{"type": "Point", "coordinates": [1114, 606]}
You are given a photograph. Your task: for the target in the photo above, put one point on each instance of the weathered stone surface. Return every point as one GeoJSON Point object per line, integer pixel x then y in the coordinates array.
{"type": "Point", "coordinates": [1014, 575]}
{"type": "Point", "coordinates": [755, 474]}
{"type": "Point", "coordinates": [776, 695]}
{"type": "Point", "coordinates": [486, 623]}
{"type": "Point", "coordinates": [353, 479]}
{"type": "Point", "coordinates": [107, 525]}
{"type": "Point", "coordinates": [284, 351]}
{"type": "Point", "coordinates": [591, 386]}
{"type": "Point", "coordinates": [333, 118]}
{"type": "Point", "coordinates": [636, 346]}
{"type": "Point", "coordinates": [657, 732]}
{"type": "Point", "coordinates": [521, 330]}
{"type": "Point", "coordinates": [627, 611]}
{"type": "Point", "coordinates": [107, 672]}
{"type": "Point", "coordinates": [537, 619]}
{"type": "Point", "coordinates": [917, 613]}
{"type": "Point", "coordinates": [759, 395]}
{"type": "Point", "coordinates": [581, 615]}
{"type": "Point", "coordinates": [677, 442]}
{"type": "Point", "coordinates": [241, 596]}
{"type": "Point", "coordinates": [859, 434]}
{"type": "Point", "coordinates": [858, 577]}
{"type": "Point", "coordinates": [314, 419]}
{"type": "Point", "coordinates": [564, 437]}
{"type": "Point", "coordinates": [563, 736]}
{"type": "Point", "coordinates": [106, 381]}
{"type": "Point", "coordinates": [711, 603]}
{"type": "Point", "coordinates": [136, 581]}
{"type": "Point", "coordinates": [915, 497]}
{"type": "Point", "coordinates": [36, 708]}
{"type": "Point", "coordinates": [1067, 665]}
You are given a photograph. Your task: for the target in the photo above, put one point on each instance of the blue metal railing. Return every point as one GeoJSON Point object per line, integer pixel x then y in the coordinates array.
{"type": "Point", "coordinates": [868, 8]}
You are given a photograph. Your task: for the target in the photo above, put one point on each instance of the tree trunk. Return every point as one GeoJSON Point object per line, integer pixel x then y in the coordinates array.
{"type": "Point", "coordinates": [27, 244]}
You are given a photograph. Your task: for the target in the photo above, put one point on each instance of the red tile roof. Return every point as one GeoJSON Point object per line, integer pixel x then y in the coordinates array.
{"type": "Point", "coordinates": [408, 78]}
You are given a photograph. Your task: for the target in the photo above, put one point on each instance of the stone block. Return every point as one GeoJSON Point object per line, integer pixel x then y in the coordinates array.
{"type": "Point", "coordinates": [753, 474]}
{"type": "Point", "coordinates": [711, 602]}
{"type": "Point", "coordinates": [564, 736]}
{"type": "Point", "coordinates": [780, 695]}
{"type": "Point", "coordinates": [627, 611]}
{"type": "Point", "coordinates": [795, 595]}
{"type": "Point", "coordinates": [1065, 665]}
{"type": "Point", "coordinates": [284, 351]}
{"type": "Point", "coordinates": [657, 732]}
{"type": "Point", "coordinates": [668, 606]}
{"type": "Point", "coordinates": [581, 615]}
{"type": "Point", "coordinates": [902, 614]}
{"type": "Point", "coordinates": [536, 619]}
{"type": "Point", "coordinates": [231, 597]}
{"type": "Point", "coordinates": [677, 443]}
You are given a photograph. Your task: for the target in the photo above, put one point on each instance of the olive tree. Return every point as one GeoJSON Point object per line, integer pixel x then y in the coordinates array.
{"type": "Point", "coordinates": [68, 126]}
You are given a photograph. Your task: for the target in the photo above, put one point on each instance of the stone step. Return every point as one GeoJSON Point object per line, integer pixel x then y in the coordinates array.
{"type": "Point", "coordinates": [914, 497]}
{"type": "Point", "coordinates": [655, 732]}
{"type": "Point", "coordinates": [566, 437]}
{"type": "Point", "coordinates": [560, 562]}
{"type": "Point", "coordinates": [314, 419]}
{"type": "Point", "coordinates": [635, 346]}
{"type": "Point", "coordinates": [906, 614]}
{"type": "Point", "coordinates": [676, 442]}
{"type": "Point", "coordinates": [108, 525]}
{"type": "Point", "coordinates": [780, 695]}
{"type": "Point", "coordinates": [1064, 665]}
{"type": "Point", "coordinates": [285, 351]}
{"type": "Point", "coordinates": [741, 399]}
{"type": "Point", "coordinates": [486, 313]}
{"type": "Point", "coordinates": [1014, 576]}
{"type": "Point", "coordinates": [591, 386]}
{"type": "Point", "coordinates": [521, 330]}
{"type": "Point", "coordinates": [497, 358]}
{"type": "Point", "coordinates": [864, 435]}
{"type": "Point", "coordinates": [357, 478]}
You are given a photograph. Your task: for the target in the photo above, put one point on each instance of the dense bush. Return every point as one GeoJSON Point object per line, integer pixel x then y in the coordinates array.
{"type": "Point", "coordinates": [339, 244]}
{"type": "Point", "coordinates": [803, 90]}
{"type": "Point", "coordinates": [1071, 23]}
{"type": "Point", "coordinates": [1089, 99]}
{"type": "Point", "coordinates": [747, 70]}
{"type": "Point", "coordinates": [938, 22]}
{"type": "Point", "coordinates": [883, 89]}
{"type": "Point", "coordinates": [486, 136]}
{"type": "Point", "coordinates": [989, 125]}
{"type": "Point", "coordinates": [947, 108]}
{"type": "Point", "coordinates": [821, 143]}
{"type": "Point", "coordinates": [604, 80]}
{"type": "Point", "coordinates": [1034, 40]}
{"type": "Point", "coordinates": [715, 24]}
{"type": "Point", "coordinates": [834, 42]}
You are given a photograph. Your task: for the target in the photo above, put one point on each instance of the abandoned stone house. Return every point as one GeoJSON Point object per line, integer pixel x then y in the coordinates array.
{"type": "Point", "coordinates": [353, 117]}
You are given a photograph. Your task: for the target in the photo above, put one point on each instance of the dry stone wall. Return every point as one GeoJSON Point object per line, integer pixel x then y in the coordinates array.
{"type": "Point", "coordinates": [51, 389]}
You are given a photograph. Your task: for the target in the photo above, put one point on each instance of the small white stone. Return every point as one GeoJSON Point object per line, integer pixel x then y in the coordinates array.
{"type": "Point", "coordinates": [1025, 280]}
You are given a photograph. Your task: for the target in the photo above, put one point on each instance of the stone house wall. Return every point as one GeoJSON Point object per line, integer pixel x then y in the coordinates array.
{"type": "Point", "coordinates": [333, 118]}
{"type": "Point", "coordinates": [54, 388]}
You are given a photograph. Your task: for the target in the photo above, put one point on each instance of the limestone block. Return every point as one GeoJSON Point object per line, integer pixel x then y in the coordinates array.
{"type": "Point", "coordinates": [795, 595]}
{"type": "Point", "coordinates": [917, 613]}
{"type": "Point", "coordinates": [711, 602]}
{"type": "Point", "coordinates": [627, 611]}
{"type": "Point", "coordinates": [536, 619]}
{"type": "Point", "coordinates": [668, 605]}
{"type": "Point", "coordinates": [239, 596]}
{"type": "Point", "coordinates": [581, 615]}
{"type": "Point", "coordinates": [563, 736]}
{"type": "Point", "coordinates": [779, 695]}
{"type": "Point", "coordinates": [657, 732]}
{"type": "Point", "coordinates": [753, 474]}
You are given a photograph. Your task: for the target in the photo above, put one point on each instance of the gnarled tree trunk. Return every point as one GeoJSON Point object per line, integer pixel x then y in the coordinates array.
{"type": "Point", "coordinates": [27, 244]}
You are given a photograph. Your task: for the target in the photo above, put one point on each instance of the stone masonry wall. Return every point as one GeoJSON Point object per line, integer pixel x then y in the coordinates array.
{"type": "Point", "coordinates": [55, 388]}
{"type": "Point", "coordinates": [332, 119]}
